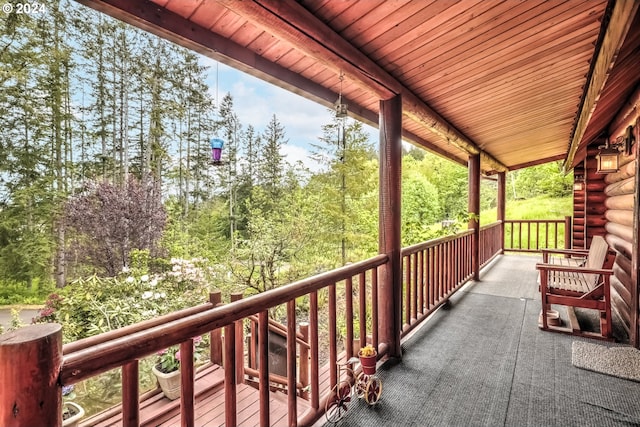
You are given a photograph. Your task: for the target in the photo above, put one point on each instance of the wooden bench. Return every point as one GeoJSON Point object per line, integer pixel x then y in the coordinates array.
{"type": "Point", "coordinates": [576, 278]}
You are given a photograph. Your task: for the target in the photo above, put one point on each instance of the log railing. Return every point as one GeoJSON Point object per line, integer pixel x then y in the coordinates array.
{"type": "Point", "coordinates": [490, 242]}
{"type": "Point", "coordinates": [316, 296]}
{"type": "Point", "coordinates": [433, 271]}
{"type": "Point", "coordinates": [531, 235]}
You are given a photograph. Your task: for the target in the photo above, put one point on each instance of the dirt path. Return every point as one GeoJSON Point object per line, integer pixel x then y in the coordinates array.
{"type": "Point", "coordinates": [26, 314]}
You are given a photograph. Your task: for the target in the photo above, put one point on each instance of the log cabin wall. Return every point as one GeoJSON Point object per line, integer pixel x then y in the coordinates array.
{"type": "Point", "coordinates": [621, 231]}
{"type": "Point", "coordinates": [594, 196]}
{"type": "Point", "coordinates": [579, 202]}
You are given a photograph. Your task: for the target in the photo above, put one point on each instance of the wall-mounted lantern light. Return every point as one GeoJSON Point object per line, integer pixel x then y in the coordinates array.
{"type": "Point", "coordinates": [578, 183]}
{"type": "Point", "coordinates": [609, 155]}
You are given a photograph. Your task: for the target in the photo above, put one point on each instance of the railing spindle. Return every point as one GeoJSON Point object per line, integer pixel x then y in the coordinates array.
{"type": "Point", "coordinates": [421, 279]}
{"type": "Point", "coordinates": [374, 307]}
{"type": "Point", "coordinates": [239, 345]}
{"type": "Point", "coordinates": [407, 289]}
{"type": "Point", "coordinates": [230, 415]}
{"type": "Point", "coordinates": [187, 398]}
{"type": "Point", "coordinates": [130, 392]}
{"type": "Point", "coordinates": [215, 345]}
{"type": "Point", "coordinates": [313, 342]}
{"type": "Point", "coordinates": [349, 316]}
{"type": "Point", "coordinates": [263, 361]}
{"type": "Point", "coordinates": [362, 309]}
{"type": "Point", "coordinates": [333, 373]}
{"type": "Point", "coordinates": [291, 364]}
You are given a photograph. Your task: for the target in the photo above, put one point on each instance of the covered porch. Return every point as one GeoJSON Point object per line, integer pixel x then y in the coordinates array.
{"type": "Point", "coordinates": [481, 359]}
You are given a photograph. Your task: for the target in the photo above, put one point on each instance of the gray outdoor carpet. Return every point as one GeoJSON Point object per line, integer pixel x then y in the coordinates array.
{"type": "Point", "coordinates": [484, 362]}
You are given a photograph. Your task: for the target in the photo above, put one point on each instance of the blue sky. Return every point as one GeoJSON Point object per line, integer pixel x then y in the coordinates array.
{"type": "Point", "coordinates": [256, 101]}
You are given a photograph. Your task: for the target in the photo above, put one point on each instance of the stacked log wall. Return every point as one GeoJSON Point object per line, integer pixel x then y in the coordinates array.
{"type": "Point", "coordinates": [621, 228]}
{"type": "Point", "coordinates": [620, 191]}
{"type": "Point", "coordinates": [578, 240]}
{"type": "Point", "coordinates": [594, 209]}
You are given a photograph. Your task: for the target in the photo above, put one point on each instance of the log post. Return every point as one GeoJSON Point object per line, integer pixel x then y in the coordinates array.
{"type": "Point", "coordinates": [501, 206]}
{"type": "Point", "coordinates": [292, 404]}
{"type": "Point", "coordinates": [474, 212]}
{"type": "Point", "coordinates": [390, 292]}
{"type": "Point", "coordinates": [567, 232]}
{"type": "Point", "coordinates": [130, 394]}
{"type": "Point", "coordinates": [237, 296]}
{"type": "Point", "coordinates": [187, 396]}
{"type": "Point", "coordinates": [30, 362]}
{"type": "Point", "coordinates": [263, 355]}
{"type": "Point", "coordinates": [304, 360]}
{"type": "Point", "coordinates": [215, 351]}
{"type": "Point", "coordinates": [230, 415]}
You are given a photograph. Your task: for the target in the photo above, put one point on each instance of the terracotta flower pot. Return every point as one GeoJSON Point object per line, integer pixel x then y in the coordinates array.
{"type": "Point", "coordinates": [368, 364]}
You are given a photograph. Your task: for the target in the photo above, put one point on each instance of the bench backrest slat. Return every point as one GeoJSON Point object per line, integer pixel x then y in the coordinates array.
{"type": "Point", "coordinates": [595, 259]}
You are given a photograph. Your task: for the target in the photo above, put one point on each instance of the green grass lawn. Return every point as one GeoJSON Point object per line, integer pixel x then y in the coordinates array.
{"type": "Point", "coordinates": [537, 208]}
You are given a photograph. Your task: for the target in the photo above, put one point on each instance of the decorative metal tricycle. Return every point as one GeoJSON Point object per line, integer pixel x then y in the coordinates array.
{"type": "Point", "coordinates": [366, 386]}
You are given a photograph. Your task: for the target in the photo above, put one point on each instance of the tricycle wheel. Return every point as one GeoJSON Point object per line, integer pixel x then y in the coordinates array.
{"type": "Point", "coordinates": [373, 390]}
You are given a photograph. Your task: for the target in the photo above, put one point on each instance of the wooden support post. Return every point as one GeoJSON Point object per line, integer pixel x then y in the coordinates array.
{"type": "Point", "coordinates": [390, 295]}
{"type": "Point", "coordinates": [304, 360]}
{"type": "Point", "coordinates": [30, 360]}
{"type": "Point", "coordinates": [130, 395]}
{"type": "Point", "coordinates": [215, 354]}
{"type": "Point", "coordinates": [239, 343]}
{"type": "Point", "coordinates": [474, 212]}
{"type": "Point", "coordinates": [502, 191]}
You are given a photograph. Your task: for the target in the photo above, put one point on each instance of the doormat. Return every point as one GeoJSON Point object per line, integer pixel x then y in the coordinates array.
{"type": "Point", "coordinates": [621, 362]}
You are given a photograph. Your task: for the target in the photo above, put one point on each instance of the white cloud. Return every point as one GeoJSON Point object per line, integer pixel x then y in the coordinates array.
{"type": "Point", "coordinates": [294, 153]}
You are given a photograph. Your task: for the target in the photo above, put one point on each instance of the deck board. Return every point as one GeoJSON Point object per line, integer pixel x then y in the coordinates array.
{"type": "Point", "coordinates": [156, 410]}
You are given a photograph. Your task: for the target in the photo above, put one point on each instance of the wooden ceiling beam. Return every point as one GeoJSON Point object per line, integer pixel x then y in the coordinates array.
{"type": "Point", "coordinates": [288, 20]}
{"type": "Point", "coordinates": [619, 23]}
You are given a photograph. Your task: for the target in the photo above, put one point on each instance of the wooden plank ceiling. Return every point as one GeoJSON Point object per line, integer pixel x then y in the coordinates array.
{"type": "Point", "coordinates": [506, 79]}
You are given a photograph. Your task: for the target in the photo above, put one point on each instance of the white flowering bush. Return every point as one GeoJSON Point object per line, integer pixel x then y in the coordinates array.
{"type": "Point", "coordinates": [92, 305]}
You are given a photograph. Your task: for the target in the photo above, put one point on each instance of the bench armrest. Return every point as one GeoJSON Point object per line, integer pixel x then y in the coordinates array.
{"type": "Point", "coordinates": [572, 269]}
{"type": "Point", "coordinates": [579, 252]}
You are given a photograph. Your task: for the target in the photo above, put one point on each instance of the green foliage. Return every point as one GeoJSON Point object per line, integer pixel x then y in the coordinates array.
{"type": "Point", "coordinates": [420, 204]}
{"type": "Point", "coordinates": [546, 179]}
{"type": "Point", "coordinates": [169, 358]}
{"type": "Point", "coordinates": [92, 305]}
{"type": "Point", "coordinates": [14, 292]}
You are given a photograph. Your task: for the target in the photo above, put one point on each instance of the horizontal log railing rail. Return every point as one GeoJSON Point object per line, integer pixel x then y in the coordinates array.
{"type": "Point", "coordinates": [433, 271]}
{"type": "Point", "coordinates": [531, 235]}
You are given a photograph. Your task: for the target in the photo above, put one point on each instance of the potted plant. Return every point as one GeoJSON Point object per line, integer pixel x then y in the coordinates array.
{"type": "Point", "coordinates": [71, 411]}
{"type": "Point", "coordinates": [368, 356]}
{"type": "Point", "coordinates": [167, 369]}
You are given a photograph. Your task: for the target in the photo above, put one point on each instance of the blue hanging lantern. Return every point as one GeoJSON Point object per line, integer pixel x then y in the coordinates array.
{"type": "Point", "coordinates": [216, 149]}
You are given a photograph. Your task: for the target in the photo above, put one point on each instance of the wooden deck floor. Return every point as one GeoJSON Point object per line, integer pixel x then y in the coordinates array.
{"type": "Point", "coordinates": [157, 410]}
